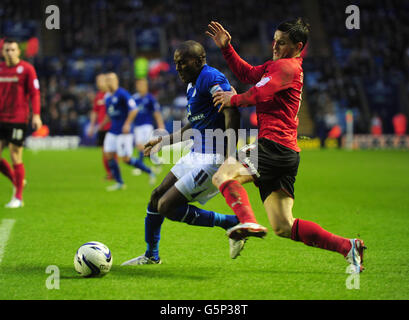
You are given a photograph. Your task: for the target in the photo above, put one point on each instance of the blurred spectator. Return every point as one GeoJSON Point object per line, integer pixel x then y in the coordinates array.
{"type": "Point", "coordinates": [376, 125]}
{"type": "Point", "coordinates": [363, 72]}
{"type": "Point", "coordinates": [399, 124]}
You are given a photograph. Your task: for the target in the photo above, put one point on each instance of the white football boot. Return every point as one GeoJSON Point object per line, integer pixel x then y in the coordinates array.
{"type": "Point", "coordinates": [152, 178]}
{"type": "Point", "coordinates": [14, 203]}
{"type": "Point", "coordinates": [244, 230]}
{"type": "Point", "coordinates": [355, 256]}
{"type": "Point", "coordinates": [236, 246]}
{"type": "Point", "coordinates": [140, 261]}
{"type": "Point", "coordinates": [136, 172]}
{"type": "Point", "coordinates": [116, 187]}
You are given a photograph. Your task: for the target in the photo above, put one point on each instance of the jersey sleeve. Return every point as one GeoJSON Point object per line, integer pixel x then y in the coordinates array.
{"type": "Point", "coordinates": [155, 104]}
{"type": "Point", "coordinates": [243, 71]}
{"type": "Point", "coordinates": [216, 82]}
{"type": "Point", "coordinates": [129, 101]}
{"type": "Point", "coordinates": [280, 77]}
{"type": "Point", "coordinates": [33, 86]}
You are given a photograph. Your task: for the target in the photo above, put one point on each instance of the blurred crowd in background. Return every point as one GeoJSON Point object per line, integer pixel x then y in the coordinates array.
{"type": "Point", "coordinates": [363, 70]}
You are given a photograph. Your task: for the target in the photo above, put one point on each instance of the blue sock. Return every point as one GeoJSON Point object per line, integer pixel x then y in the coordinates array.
{"type": "Point", "coordinates": [138, 163]}
{"type": "Point", "coordinates": [141, 156]}
{"type": "Point", "coordinates": [153, 224]}
{"type": "Point", "coordinates": [204, 218]}
{"type": "Point", "coordinates": [113, 166]}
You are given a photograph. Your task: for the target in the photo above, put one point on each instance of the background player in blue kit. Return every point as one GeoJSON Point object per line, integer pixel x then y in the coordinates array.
{"type": "Point", "coordinates": [122, 110]}
{"type": "Point", "coordinates": [190, 179]}
{"type": "Point", "coordinates": [149, 116]}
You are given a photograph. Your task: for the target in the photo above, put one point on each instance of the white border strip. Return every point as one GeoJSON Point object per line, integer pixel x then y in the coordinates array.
{"type": "Point", "coordinates": [5, 230]}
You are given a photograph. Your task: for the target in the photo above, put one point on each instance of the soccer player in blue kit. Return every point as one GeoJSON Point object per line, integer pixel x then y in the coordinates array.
{"type": "Point", "coordinates": [121, 110]}
{"type": "Point", "coordinates": [149, 115]}
{"type": "Point", "coordinates": [190, 179]}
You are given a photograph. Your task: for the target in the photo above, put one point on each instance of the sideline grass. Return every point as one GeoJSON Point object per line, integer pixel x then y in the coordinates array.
{"type": "Point", "coordinates": [361, 193]}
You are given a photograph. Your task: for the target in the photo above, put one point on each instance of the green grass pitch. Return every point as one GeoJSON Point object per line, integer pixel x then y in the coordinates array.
{"type": "Point", "coordinates": [359, 193]}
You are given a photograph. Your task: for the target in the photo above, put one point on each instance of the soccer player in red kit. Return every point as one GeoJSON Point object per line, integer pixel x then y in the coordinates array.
{"type": "Point", "coordinates": [272, 162]}
{"type": "Point", "coordinates": [99, 121]}
{"type": "Point", "coordinates": [18, 86]}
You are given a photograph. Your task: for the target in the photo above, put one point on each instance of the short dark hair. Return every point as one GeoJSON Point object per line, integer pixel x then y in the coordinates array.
{"type": "Point", "coordinates": [297, 29]}
{"type": "Point", "coordinates": [10, 40]}
{"type": "Point", "coordinates": [192, 49]}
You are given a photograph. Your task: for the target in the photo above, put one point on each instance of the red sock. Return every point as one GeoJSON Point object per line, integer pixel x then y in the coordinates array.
{"type": "Point", "coordinates": [237, 198]}
{"type": "Point", "coordinates": [105, 161]}
{"type": "Point", "coordinates": [6, 169]}
{"type": "Point", "coordinates": [19, 173]}
{"type": "Point", "coordinates": [313, 235]}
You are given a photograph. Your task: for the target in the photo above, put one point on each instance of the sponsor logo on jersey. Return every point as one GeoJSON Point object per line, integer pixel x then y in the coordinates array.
{"type": "Point", "coordinates": [197, 117]}
{"type": "Point", "coordinates": [263, 82]}
{"type": "Point", "coordinates": [8, 79]}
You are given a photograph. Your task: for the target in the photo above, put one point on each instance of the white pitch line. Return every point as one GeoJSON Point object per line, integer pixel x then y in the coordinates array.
{"type": "Point", "coordinates": [5, 230]}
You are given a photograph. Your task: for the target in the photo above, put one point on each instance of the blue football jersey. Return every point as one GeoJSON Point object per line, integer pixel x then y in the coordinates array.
{"type": "Point", "coordinates": [118, 105]}
{"type": "Point", "coordinates": [147, 105]}
{"type": "Point", "coordinates": [202, 114]}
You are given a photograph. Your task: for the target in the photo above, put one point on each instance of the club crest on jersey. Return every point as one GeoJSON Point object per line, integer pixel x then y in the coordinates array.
{"type": "Point", "coordinates": [20, 69]}
{"type": "Point", "coordinates": [263, 82]}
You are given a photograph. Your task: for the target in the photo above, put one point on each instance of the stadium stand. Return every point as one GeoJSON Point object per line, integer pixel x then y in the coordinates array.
{"type": "Point", "coordinates": [363, 70]}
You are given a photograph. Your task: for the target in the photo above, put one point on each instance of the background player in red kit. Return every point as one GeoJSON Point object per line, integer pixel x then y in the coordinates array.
{"type": "Point", "coordinates": [18, 86]}
{"type": "Point", "coordinates": [274, 165]}
{"type": "Point", "coordinates": [98, 120]}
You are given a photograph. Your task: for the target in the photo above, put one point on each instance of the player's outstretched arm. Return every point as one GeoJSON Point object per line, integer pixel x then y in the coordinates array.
{"type": "Point", "coordinates": [154, 145]}
{"type": "Point", "coordinates": [244, 71]}
{"type": "Point", "coordinates": [220, 36]}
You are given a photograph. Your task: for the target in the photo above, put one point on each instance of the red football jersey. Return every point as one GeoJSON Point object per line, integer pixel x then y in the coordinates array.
{"type": "Point", "coordinates": [276, 95]}
{"type": "Point", "coordinates": [100, 109]}
{"type": "Point", "coordinates": [18, 85]}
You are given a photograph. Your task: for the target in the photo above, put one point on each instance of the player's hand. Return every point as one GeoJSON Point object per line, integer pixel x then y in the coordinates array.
{"type": "Point", "coordinates": [36, 122]}
{"type": "Point", "coordinates": [223, 98]}
{"type": "Point", "coordinates": [153, 146]}
{"type": "Point", "coordinates": [90, 132]}
{"type": "Point", "coordinates": [219, 35]}
{"type": "Point", "coordinates": [126, 128]}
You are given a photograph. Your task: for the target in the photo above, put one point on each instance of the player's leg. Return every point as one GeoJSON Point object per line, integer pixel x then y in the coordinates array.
{"type": "Point", "coordinates": [229, 179]}
{"type": "Point", "coordinates": [110, 150]}
{"type": "Point", "coordinates": [5, 167]}
{"type": "Point", "coordinates": [195, 185]}
{"type": "Point", "coordinates": [153, 224]}
{"type": "Point", "coordinates": [134, 161]}
{"type": "Point", "coordinates": [16, 155]}
{"type": "Point", "coordinates": [100, 142]}
{"type": "Point", "coordinates": [174, 206]}
{"type": "Point", "coordinates": [279, 205]}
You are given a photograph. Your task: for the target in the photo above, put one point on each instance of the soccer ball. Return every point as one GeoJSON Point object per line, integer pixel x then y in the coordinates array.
{"type": "Point", "coordinates": [93, 259]}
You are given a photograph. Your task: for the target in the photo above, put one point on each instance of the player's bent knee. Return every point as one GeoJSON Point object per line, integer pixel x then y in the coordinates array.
{"type": "Point", "coordinates": [164, 208]}
{"type": "Point", "coordinates": [155, 196]}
